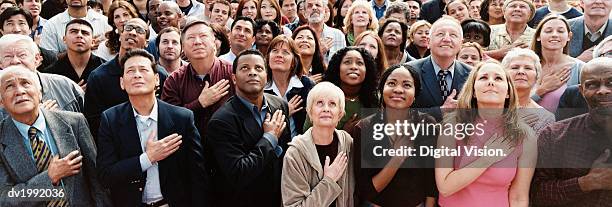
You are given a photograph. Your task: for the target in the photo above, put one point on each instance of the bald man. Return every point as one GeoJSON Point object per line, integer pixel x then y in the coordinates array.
{"type": "Point", "coordinates": [582, 145]}
{"type": "Point", "coordinates": [103, 90]}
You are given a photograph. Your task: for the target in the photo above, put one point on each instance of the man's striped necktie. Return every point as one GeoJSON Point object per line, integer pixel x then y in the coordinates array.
{"type": "Point", "coordinates": [42, 157]}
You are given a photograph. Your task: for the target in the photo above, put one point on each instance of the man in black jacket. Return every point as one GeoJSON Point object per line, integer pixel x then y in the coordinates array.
{"type": "Point", "coordinates": [248, 136]}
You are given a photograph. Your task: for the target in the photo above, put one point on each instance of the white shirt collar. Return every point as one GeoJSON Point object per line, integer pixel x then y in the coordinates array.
{"type": "Point", "coordinates": [600, 31]}
{"type": "Point", "coordinates": [294, 82]}
{"type": "Point", "coordinates": [153, 114]}
{"type": "Point", "coordinates": [437, 67]}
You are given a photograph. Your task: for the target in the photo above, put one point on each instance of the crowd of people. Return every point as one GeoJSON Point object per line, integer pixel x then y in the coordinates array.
{"type": "Point", "coordinates": [275, 103]}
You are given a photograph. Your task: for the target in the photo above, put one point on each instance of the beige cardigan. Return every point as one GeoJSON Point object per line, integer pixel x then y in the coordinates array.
{"type": "Point", "coordinates": [303, 182]}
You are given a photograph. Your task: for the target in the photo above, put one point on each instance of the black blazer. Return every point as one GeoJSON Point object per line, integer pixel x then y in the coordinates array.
{"type": "Point", "coordinates": [182, 175]}
{"type": "Point", "coordinates": [430, 99]}
{"type": "Point", "coordinates": [246, 169]}
{"type": "Point", "coordinates": [300, 116]}
{"type": "Point", "coordinates": [571, 103]}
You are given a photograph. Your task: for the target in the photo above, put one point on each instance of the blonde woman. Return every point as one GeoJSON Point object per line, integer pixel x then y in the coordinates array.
{"type": "Point", "coordinates": [471, 53]}
{"type": "Point", "coordinates": [359, 18]}
{"type": "Point", "coordinates": [317, 168]}
{"type": "Point", "coordinates": [488, 99]}
{"type": "Point", "coordinates": [419, 40]}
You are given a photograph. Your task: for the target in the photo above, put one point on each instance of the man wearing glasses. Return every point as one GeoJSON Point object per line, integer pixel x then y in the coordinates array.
{"type": "Point", "coordinates": [103, 90]}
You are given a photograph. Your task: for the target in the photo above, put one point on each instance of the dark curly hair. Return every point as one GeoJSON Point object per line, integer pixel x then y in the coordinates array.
{"type": "Point", "coordinates": [404, 27]}
{"type": "Point", "coordinates": [367, 91]}
{"type": "Point", "coordinates": [383, 78]}
{"type": "Point", "coordinates": [317, 65]}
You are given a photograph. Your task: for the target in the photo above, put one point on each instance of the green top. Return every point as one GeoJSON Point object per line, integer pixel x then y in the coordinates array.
{"type": "Point", "coordinates": [350, 107]}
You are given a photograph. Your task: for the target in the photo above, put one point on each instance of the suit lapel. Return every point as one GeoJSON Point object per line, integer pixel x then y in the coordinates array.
{"type": "Point", "coordinates": [128, 130]}
{"type": "Point", "coordinates": [430, 81]}
{"type": "Point", "coordinates": [577, 37]}
{"type": "Point", "coordinates": [461, 74]}
{"type": "Point", "coordinates": [14, 151]}
{"type": "Point", "coordinates": [250, 124]}
{"type": "Point", "coordinates": [65, 142]}
{"type": "Point", "coordinates": [165, 127]}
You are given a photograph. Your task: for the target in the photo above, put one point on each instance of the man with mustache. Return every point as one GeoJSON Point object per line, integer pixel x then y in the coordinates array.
{"type": "Point", "coordinates": [169, 44]}
{"type": "Point", "coordinates": [103, 89]}
{"type": "Point", "coordinates": [203, 85]}
{"type": "Point", "coordinates": [15, 20]}
{"type": "Point", "coordinates": [574, 165]}
{"type": "Point", "coordinates": [43, 149]}
{"type": "Point", "coordinates": [58, 92]}
{"type": "Point", "coordinates": [248, 136]}
{"type": "Point", "coordinates": [331, 39]}
{"type": "Point", "coordinates": [54, 30]}
{"type": "Point", "coordinates": [79, 60]}
{"type": "Point", "coordinates": [442, 76]}
{"type": "Point", "coordinates": [241, 37]}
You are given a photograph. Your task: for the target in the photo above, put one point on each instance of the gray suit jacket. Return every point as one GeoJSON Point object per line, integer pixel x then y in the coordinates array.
{"type": "Point", "coordinates": [577, 27]}
{"type": "Point", "coordinates": [17, 171]}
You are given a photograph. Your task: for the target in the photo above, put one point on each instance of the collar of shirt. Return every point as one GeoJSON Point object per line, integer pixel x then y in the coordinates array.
{"type": "Point", "coordinates": [294, 82]}
{"type": "Point", "coordinates": [600, 31]}
{"type": "Point", "coordinates": [39, 124]}
{"type": "Point", "coordinates": [503, 31]}
{"type": "Point", "coordinates": [153, 114]}
{"type": "Point", "coordinates": [259, 115]}
{"type": "Point", "coordinates": [195, 75]}
{"type": "Point", "coordinates": [437, 68]}
{"type": "Point", "coordinates": [380, 7]}
{"type": "Point", "coordinates": [228, 56]}
{"type": "Point", "coordinates": [91, 16]}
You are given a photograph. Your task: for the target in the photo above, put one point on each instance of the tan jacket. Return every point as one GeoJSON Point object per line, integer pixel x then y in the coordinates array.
{"type": "Point", "coordinates": [303, 182]}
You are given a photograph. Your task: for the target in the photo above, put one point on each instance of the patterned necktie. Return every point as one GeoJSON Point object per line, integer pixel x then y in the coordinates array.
{"type": "Point", "coordinates": [42, 157]}
{"type": "Point", "coordinates": [443, 84]}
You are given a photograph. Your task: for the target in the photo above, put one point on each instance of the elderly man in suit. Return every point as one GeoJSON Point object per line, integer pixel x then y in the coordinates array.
{"type": "Point", "coordinates": [590, 29]}
{"type": "Point", "coordinates": [442, 77]}
{"type": "Point", "coordinates": [42, 150]}
{"type": "Point", "coordinates": [248, 137]}
{"type": "Point", "coordinates": [149, 151]}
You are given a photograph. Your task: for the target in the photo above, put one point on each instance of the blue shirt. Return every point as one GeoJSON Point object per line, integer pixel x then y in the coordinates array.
{"type": "Point", "coordinates": [41, 23]}
{"type": "Point", "coordinates": [449, 78]}
{"type": "Point", "coordinates": [43, 132]}
{"type": "Point", "coordinates": [259, 116]}
{"type": "Point", "coordinates": [543, 11]}
{"type": "Point", "coordinates": [380, 11]}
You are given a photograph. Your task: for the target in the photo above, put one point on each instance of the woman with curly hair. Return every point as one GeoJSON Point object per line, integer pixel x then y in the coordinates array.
{"type": "Point", "coordinates": [307, 42]}
{"type": "Point", "coordinates": [119, 13]}
{"type": "Point", "coordinates": [353, 70]}
{"type": "Point", "coordinates": [359, 18]}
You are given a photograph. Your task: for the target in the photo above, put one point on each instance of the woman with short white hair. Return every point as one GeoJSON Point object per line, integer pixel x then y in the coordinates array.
{"type": "Point", "coordinates": [524, 68]}
{"type": "Point", "coordinates": [310, 177]}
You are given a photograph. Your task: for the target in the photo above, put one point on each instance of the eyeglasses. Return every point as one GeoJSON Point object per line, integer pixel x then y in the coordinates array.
{"type": "Point", "coordinates": [139, 30]}
{"type": "Point", "coordinates": [606, 54]}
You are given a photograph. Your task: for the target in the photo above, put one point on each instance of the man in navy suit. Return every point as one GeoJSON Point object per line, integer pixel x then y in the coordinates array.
{"type": "Point", "coordinates": [149, 152]}
{"type": "Point", "coordinates": [446, 37]}
{"type": "Point", "coordinates": [248, 136]}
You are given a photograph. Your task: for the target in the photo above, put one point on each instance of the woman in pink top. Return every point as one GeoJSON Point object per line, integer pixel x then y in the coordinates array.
{"type": "Point", "coordinates": [489, 101]}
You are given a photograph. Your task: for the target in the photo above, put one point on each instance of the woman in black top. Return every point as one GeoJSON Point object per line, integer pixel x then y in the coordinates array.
{"type": "Point", "coordinates": [397, 180]}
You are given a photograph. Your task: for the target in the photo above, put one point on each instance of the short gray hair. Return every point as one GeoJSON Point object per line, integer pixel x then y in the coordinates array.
{"type": "Point", "coordinates": [398, 7]}
{"type": "Point", "coordinates": [325, 89]}
{"type": "Point", "coordinates": [521, 52]}
{"type": "Point", "coordinates": [597, 51]}
{"type": "Point", "coordinates": [9, 39]}
{"type": "Point", "coordinates": [23, 71]}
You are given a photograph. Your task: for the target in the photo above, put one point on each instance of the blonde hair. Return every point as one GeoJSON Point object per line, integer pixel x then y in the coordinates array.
{"type": "Point", "coordinates": [325, 89]}
{"type": "Point", "coordinates": [513, 127]}
{"type": "Point", "coordinates": [348, 19]}
{"type": "Point", "coordinates": [415, 26]}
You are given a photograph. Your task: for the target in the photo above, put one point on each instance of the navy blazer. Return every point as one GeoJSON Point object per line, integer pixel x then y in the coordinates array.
{"type": "Point", "coordinates": [182, 175]}
{"type": "Point", "coordinates": [246, 169]}
{"type": "Point", "coordinates": [571, 103]}
{"type": "Point", "coordinates": [429, 100]}
{"type": "Point", "coordinates": [577, 27]}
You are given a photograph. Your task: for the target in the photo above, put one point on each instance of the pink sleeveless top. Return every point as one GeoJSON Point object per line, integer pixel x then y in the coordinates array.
{"type": "Point", "coordinates": [550, 101]}
{"type": "Point", "coordinates": [491, 188]}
